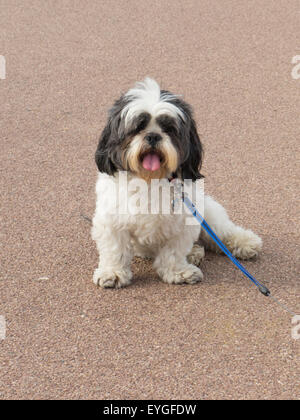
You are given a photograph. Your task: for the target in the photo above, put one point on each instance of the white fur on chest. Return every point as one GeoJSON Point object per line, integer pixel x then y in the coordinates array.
{"type": "Point", "coordinates": [145, 228]}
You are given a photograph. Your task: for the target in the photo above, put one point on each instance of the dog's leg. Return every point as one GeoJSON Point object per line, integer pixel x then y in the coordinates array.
{"type": "Point", "coordinates": [171, 261]}
{"type": "Point", "coordinates": [242, 243]}
{"type": "Point", "coordinates": [115, 253]}
{"type": "Point", "coordinates": [196, 255]}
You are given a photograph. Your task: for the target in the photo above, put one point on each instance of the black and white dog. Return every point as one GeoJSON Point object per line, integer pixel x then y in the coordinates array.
{"type": "Point", "coordinates": [151, 135]}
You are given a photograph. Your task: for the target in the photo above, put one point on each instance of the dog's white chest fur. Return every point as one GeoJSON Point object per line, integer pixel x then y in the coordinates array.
{"type": "Point", "coordinates": [130, 206]}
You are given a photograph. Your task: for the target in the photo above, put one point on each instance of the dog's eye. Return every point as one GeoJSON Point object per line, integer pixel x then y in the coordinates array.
{"type": "Point", "coordinates": [140, 123]}
{"type": "Point", "coordinates": [168, 125]}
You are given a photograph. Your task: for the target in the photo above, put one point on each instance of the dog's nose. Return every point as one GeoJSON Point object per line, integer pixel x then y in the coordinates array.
{"type": "Point", "coordinates": [153, 138]}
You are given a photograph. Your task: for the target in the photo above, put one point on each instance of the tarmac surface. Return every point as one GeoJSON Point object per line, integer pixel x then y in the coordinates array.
{"type": "Point", "coordinates": [66, 61]}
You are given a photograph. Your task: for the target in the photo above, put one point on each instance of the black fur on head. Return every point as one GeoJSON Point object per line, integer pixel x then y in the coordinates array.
{"type": "Point", "coordinates": [108, 153]}
{"type": "Point", "coordinates": [181, 130]}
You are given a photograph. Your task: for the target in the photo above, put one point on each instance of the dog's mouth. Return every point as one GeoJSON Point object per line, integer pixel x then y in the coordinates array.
{"type": "Point", "coordinates": [152, 160]}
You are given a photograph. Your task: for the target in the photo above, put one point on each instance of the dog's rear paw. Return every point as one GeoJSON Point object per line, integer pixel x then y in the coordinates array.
{"type": "Point", "coordinates": [243, 243]}
{"type": "Point", "coordinates": [190, 275]}
{"type": "Point", "coordinates": [114, 278]}
{"type": "Point", "coordinates": [196, 255]}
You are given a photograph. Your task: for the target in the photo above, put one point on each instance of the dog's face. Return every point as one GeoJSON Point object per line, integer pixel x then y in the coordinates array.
{"type": "Point", "coordinates": [152, 134]}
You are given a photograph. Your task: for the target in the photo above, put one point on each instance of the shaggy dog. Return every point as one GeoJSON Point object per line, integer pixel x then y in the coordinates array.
{"type": "Point", "coordinates": [151, 136]}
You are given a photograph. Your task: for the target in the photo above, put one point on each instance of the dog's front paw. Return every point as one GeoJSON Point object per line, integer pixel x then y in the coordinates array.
{"type": "Point", "coordinates": [189, 275]}
{"type": "Point", "coordinates": [243, 243]}
{"type": "Point", "coordinates": [196, 255]}
{"type": "Point", "coordinates": [112, 278]}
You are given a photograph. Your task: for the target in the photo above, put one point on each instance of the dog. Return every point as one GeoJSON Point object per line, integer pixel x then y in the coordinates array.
{"type": "Point", "coordinates": [151, 135]}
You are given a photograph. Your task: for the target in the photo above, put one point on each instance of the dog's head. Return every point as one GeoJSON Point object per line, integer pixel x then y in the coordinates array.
{"type": "Point", "coordinates": [152, 133]}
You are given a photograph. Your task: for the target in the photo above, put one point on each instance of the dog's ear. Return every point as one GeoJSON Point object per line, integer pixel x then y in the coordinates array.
{"type": "Point", "coordinates": [190, 169]}
{"type": "Point", "coordinates": [103, 152]}
{"type": "Point", "coordinates": [109, 154]}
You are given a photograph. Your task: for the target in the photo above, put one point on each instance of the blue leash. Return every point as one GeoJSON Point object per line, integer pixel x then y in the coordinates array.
{"type": "Point", "coordinates": [262, 288]}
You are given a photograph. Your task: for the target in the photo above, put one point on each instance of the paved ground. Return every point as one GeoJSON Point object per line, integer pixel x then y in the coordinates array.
{"type": "Point", "coordinates": [66, 61]}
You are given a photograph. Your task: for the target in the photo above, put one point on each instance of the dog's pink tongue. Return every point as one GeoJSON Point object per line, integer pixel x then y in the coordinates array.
{"type": "Point", "coordinates": [151, 162]}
